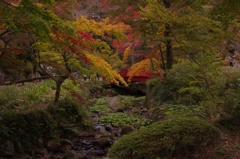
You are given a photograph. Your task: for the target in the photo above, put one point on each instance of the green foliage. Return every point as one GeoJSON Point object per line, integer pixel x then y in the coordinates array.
{"type": "Point", "coordinates": [71, 85]}
{"type": "Point", "coordinates": [102, 101]}
{"type": "Point", "coordinates": [8, 94]}
{"type": "Point", "coordinates": [69, 110]}
{"type": "Point", "coordinates": [200, 82]}
{"type": "Point", "coordinates": [226, 11]}
{"type": "Point", "coordinates": [229, 98]}
{"type": "Point", "coordinates": [129, 101]}
{"type": "Point", "coordinates": [124, 119]}
{"type": "Point", "coordinates": [175, 138]}
{"type": "Point", "coordinates": [118, 119]}
{"type": "Point", "coordinates": [182, 111]}
{"type": "Point", "coordinates": [35, 92]}
{"type": "Point", "coordinates": [101, 106]}
{"type": "Point", "coordinates": [99, 109]}
{"type": "Point", "coordinates": [14, 96]}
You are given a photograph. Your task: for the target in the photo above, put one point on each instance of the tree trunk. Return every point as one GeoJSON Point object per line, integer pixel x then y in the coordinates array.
{"type": "Point", "coordinates": [169, 53]}
{"type": "Point", "coordinates": [57, 93]}
{"type": "Point", "coordinates": [59, 83]}
{"type": "Point", "coordinates": [162, 58]}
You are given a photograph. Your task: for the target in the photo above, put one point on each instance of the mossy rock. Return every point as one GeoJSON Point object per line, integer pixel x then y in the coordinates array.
{"type": "Point", "coordinates": [175, 138]}
{"type": "Point", "coordinates": [126, 129]}
{"type": "Point", "coordinates": [25, 129]}
{"type": "Point", "coordinates": [32, 127]}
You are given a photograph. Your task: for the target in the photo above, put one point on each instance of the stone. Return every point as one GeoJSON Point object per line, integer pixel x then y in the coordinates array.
{"type": "Point", "coordinates": [102, 142]}
{"type": "Point", "coordinates": [98, 136]}
{"type": "Point", "coordinates": [8, 150]}
{"type": "Point", "coordinates": [59, 145]}
{"type": "Point", "coordinates": [108, 128]}
{"type": "Point", "coordinates": [70, 154]}
{"type": "Point", "coordinates": [65, 142]}
{"type": "Point", "coordinates": [53, 146]}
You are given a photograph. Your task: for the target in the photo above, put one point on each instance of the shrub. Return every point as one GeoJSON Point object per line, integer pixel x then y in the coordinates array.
{"type": "Point", "coordinates": [168, 139]}
{"type": "Point", "coordinates": [26, 127]}
{"type": "Point", "coordinates": [33, 126]}
{"type": "Point", "coordinates": [69, 110]}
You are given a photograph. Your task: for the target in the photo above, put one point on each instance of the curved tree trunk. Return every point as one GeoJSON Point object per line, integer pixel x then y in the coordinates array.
{"type": "Point", "coordinates": [169, 53]}
{"type": "Point", "coordinates": [59, 83]}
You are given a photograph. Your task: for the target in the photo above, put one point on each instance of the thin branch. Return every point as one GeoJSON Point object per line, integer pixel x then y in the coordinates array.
{"type": "Point", "coordinates": [5, 32]}
{"type": "Point", "coordinates": [9, 4]}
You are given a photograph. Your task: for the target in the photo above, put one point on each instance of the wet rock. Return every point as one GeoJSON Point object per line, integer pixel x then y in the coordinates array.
{"type": "Point", "coordinates": [112, 137]}
{"type": "Point", "coordinates": [41, 152]}
{"type": "Point", "coordinates": [100, 153]}
{"type": "Point", "coordinates": [8, 150]}
{"type": "Point", "coordinates": [86, 134]}
{"type": "Point", "coordinates": [104, 133]}
{"type": "Point", "coordinates": [98, 136]}
{"type": "Point", "coordinates": [84, 142]}
{"type": "Point", "coordinates": [25, 157]}
{"type": "Point", "coordinates": [116, 132]}
{"type": "Point", "coordinates": [114, 101]}
{"type": "Point", "coordinates": [99, 128]}
{"type": "Point", "coordinates": [59, 145]}
{"type": "Point", "coordinates": [102, 143]}
{"type": "Point", "coordinates": [70, 154]}
{"type": "Point", "coordinates": [108, 128]}
{"type": "Point", "coordinates": [8, 154]}
{"type": "Point", "coordinates": [53, 146]}
{"type": "Point", "coordinates": [65, 142]}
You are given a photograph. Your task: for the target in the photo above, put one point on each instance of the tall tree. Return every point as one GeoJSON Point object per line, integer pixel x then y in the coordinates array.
{"type": "Point", "coordinates": [183, 24]}
{"type": "Point", "coordinates": [22, 23]}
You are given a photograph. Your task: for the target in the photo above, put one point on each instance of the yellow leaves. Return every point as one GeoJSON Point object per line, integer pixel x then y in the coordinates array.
{"type": "Point", "coordinates": [127, 52]}
{"type": "Point", "coordinates": [145, 66]}
{"type": "Point", "coordinates": [101, 28]}
{"type": "Point", "coordinates": [48, 52]}
{"type": "Point", "coordinates": [103, 68]}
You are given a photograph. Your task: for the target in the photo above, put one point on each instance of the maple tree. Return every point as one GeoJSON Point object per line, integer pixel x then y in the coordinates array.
{"type": "Point", "coordinates": [22, 23]}
{"type": "Point", "coordinates": [81, 51]}
{"type": "Point", "coordinates": [67, 46]}
{"type": "Point", "coordinates": [164, 27]}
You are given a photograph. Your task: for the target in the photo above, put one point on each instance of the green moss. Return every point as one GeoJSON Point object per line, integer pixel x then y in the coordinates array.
{"type": "Point", "coordinates": [168, 139]}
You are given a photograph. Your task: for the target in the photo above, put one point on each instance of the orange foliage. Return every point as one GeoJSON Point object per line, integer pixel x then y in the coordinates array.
{"type": "Point", "coordinates": [149, 65]}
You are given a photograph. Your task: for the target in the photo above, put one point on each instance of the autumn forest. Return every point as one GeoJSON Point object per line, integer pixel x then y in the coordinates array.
{"type": "Point", "coordinates": [111, 79]}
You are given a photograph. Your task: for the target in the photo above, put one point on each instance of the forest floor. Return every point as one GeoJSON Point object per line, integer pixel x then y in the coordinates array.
{"type": "Point", "coordinates": [95, 145]}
